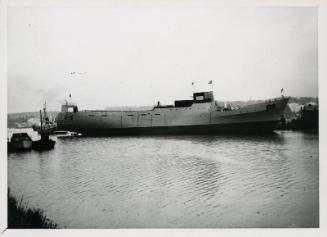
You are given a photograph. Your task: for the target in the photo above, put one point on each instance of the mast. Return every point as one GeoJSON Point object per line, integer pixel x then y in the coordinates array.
{"type": "Point", "coordinates": [45, 110]}
{"type": "Point", "coordinates": [41, 120]}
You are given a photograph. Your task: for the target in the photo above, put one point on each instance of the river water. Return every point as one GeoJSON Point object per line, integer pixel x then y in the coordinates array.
{"type": "Point", "coordinates": [173, 181]}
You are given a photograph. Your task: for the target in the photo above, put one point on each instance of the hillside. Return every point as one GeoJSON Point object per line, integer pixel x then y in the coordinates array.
{"type": "Point", "coordinates": [26, 119]}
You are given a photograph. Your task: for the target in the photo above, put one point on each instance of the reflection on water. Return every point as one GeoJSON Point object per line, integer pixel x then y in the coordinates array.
{"type": "Point", "coordinates": [173, 181]}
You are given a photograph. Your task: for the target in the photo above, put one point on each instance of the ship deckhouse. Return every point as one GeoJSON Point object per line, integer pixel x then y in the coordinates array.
{"type": "Point", "coordinates": [69, 107]}
{"type": "Point", "coordinates": [198, 97]}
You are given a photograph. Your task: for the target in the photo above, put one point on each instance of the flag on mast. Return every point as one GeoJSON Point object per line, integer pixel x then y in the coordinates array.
{"type": "Point", "coordinates": [282, 90]}
{"type": "Point", "coordinates": [210, 82]}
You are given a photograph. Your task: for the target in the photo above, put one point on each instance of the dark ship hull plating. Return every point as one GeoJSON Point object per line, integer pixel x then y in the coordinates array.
{"type": "Point", "coordinates": [198, 116]}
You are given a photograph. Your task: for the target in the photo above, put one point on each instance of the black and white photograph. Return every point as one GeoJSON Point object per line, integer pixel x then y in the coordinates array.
{"type": "Point", "coordinates": [154, 115]}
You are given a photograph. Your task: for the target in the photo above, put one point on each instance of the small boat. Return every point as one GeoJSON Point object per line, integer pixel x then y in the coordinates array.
{"type": "Point", "coordinates": [68, 134]}
{"type": "Point", "coordinates": [48, 125]}
{"type": "Point", "coordinates": [45, 143]}
{"type": "Point", "coordinates": [60, 132]}
{"type": "Point", "coordinates": [20, 142]}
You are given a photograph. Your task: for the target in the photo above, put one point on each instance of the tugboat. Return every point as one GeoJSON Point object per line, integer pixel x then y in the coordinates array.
{"type": "Point", "coordinates": [308, 119]}
{"type": "Point", "coordinates": [20, 142]}
{"type": "Point", "coordinates": [45, 143]}
{"type": "Point", "coordinates": [49, 126]}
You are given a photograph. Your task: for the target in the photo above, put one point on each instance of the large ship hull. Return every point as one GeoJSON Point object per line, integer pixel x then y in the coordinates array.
{"type": "Point", "coordinates": [239, 128]}
{"type": "Point", "coordinates": [199, 118]}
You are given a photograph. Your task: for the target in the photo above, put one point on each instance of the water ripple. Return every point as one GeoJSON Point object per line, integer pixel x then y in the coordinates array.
{"type": "Point", "coordinates": [173, 181]}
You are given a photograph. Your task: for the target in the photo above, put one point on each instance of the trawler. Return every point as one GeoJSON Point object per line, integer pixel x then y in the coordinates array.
{"type": "Point", "coordinates": [46, 125]}
{"type": "Point", "coordinates": [200, 115]}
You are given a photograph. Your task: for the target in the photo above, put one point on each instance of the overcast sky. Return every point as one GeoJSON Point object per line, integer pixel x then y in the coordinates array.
{"type": "Point", "coordinates": [125, 56]}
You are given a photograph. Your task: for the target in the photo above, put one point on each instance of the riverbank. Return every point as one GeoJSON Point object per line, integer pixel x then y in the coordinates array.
{"type": "Point", "coordinates": [20, 217]}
